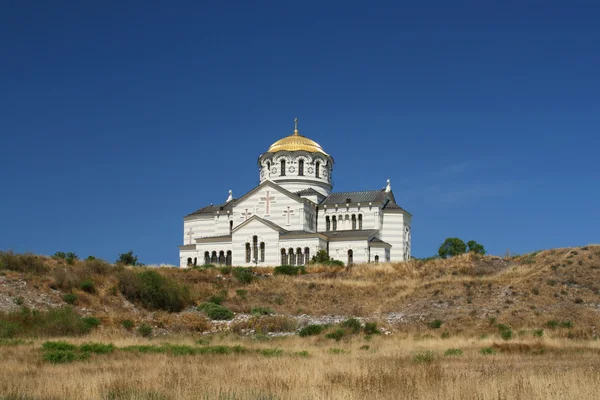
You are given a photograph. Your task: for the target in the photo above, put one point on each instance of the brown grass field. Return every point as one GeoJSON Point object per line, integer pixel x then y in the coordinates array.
{"type": "Point", "coordinates": [389, 369]}
{"type": "Point", "coordinates": [549, 300]}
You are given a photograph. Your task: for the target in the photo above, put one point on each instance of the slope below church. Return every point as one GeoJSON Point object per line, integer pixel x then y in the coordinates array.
{"type": "Point", "coordinates": [293, 213]}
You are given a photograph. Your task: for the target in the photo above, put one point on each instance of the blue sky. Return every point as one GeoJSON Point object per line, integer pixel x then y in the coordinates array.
{"type": "Point", "coordinates": [119, 118]}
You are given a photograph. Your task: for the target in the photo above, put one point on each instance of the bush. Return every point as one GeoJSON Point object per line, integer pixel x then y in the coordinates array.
{"type": "Point", "coordinates": [98, 266]}
{"type": "Point", "coordinates": [58, 346]}
{"type": "Point", "coordinates": [70, 298]}
{"type": "Point", "coordinates": [244, 275]}
{"type": "Point", "coordinates": [61, 255]}
{"type": "Point", "coordinates": [338, 334]}
{"type": "Point", "coordinates": [566, 324]}
{"type": "Point", "coordinates": [153, 291]}
{"type": "Point", "coordinates": [262, 311]}
{"type": "Point", "coordinates": [225, 270]}
{"type": "Point", "coordinates": [371, 328]}
{"type": "Point", "coordinates": [92, 322]}
{"type": "Point", "coordinates": [97, 348]}
{"type": "Point", "coordinates": [507, 334]}
{"type": "Point", "coordinates": [8, 329]}
{"type": "Point", "coordinates": [55, 322]}
{"type": "Point", "coordinates": [88, 286]}
{"type": "Point", "coordinates": [289, 270]}
{"type": "Point", "coordinates": [552, 324]}
{"type": "Point", "coordinates": [352, 324]}
{"type": "Point", "coordinates": [426, 357]}
{"type": "Point", "coordinates": [216, 299]}
{"type": "Point", "coordinates": [475, 247]}
{"type": "Point", "coordinates": [242, 293]}
{"type": "Point", "coordinates": [22, 262]}
{"type": "Point", "coordinates": [71, 258]}
{"type": "Point", "coordinates": [452, 247]}
{"type": "Point", "coordinates": [127, 259]}
{"type": "Point", "coordinates": [311, 330]}
{"type": "Point", "coordinates": [62, 357]}
{"type": "Point", "coordinates": [453, 352]}
{"type": "Point", "coordinates": [435, 324]}
{"type": "Point", "coordinates": [322, 257]}
{"type": "Point", "coordinates": [145, 330]}
{"type": "Point", "coordinates": [216, 312]}
{"type": "Point", "coordinates": [127, 324]}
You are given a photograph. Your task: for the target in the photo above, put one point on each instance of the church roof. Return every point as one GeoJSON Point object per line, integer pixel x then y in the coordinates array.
{"type": "Point", "coordinates": [296, 142]}
{"type": "Point", "coordinates": [214, 208]}
{"type": "Point", "coordinates": [366, 196]}
{"type": "Point", "coordinates": [307, 191]}
{"type": "Point", "coordinates": [349, 235]}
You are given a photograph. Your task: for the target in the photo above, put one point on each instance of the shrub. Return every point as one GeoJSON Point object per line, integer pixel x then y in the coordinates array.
{"type": "Point", "coordinates": [338, 334]}
{"type": "Point", "coordinates": [127, 259]}
{"type": "Point", "coordinates": [62, 322]}
{"type": "Point", "coordinates": [288, 270]}
{"type": "Point", "coordinates": [92, 322]}
{"type": "Point", "coordinates": [225, 270]}
{"type": "Point", "coordinates": [8, 329]}
{"type": "Point", "coordinates": [475, 247]}
{"type": "Point", "coordinates": [552, 324]}
{"type": "Point", "coordinates": [88, 286]}
{"type": "Point", "coordinates": [153, 290]}
{"type": "Point", "coordinates": [507, 334]}
{"type": "Point", "coordinates": [58, 346]}
{"type": "Point", "coordinates": [242, 293]}
{"type": "Point", "coordinates": [216, 311]}
{"type": "Point", "coordinates": [262, 311]}
{"type": "Point", "coordinates": [311, 330]}
{"type": "Point", "coordinates": [322, 257]}
{"type": "Point", "coordinates": [216, 299]}
{"type": "Point", "coordinates": [62, 357]}
{"type": "Point", "coordinates": [566, 324]}
{"type": "Point", "coordinates": [127, 324]}
{"type": "Point", "coordinates": [453, 352]}
{"type": "Point", "coordinates": [487, 351]}
{"type": "Point", "coordinates": [97, 348]}
{"type": "Point", "coordinates": [452, 247]}
{"type": "Point", "coordinates": [70, 298]}
{"type": "Point", "coordinates": [71, 258]}
{"type": "Point", "coordinates": [98, 266]}
{"type": "Point", "coordinates": [371, 328]}
{"type": "Point", "coordinates": [435, 324]}
{"type": "Point", "coordinates": [145, 330]}
{"type": "Point", "coordinates": [426, 357]}
{"type": "Point", "coordinates": [352, 324]}
{"type": "Point", "coordinates": [22, 262]}
{"type": "Point", "coordinates": [60, 255]}
{"type": "Point", "coordinates": [243, 275]}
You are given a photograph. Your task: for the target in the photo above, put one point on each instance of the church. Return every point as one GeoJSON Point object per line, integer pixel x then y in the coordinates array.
{"type": "Point", "coordinates": [293, 213]}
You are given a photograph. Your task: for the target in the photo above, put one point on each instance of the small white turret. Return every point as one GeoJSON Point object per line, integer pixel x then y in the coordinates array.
{"type": "Point", "coordinates": [388, 187]}
{"type": "Point", "coordinates": [230, 197]}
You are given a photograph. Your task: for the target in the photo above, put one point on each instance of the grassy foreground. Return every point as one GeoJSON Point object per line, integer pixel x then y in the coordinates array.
{"type": "Point", "coordinates": [231, 367]}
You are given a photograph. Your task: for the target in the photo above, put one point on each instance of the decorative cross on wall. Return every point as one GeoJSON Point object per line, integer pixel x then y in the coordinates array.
{"type": "Point", "coordinates": [246, 214]}
{"type": "Point", "coordinates": [190, 234]}
{"type": "Point", "coordinates": [289, 213]}
{"type": "Point", "coordinates": [267, 200]}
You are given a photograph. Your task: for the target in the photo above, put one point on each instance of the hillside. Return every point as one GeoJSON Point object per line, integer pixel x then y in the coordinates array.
{"type": "Point", "coordinates": [468, 294]}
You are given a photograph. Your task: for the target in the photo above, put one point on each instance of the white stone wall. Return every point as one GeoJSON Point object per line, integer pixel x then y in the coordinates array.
{"type": "Point", "coordinates": [245, 235]}
{"type": "Point", "coordinates": [392, 232]}
{"type": "Point", "coordinates": [183, 256]}
{"type": "Point", "coordinates": [217, 247]}
{"type": "Point", "coordinates": [382, 252]}
{"type": "Point", "coordinates": [339, 250]}
{"type": "Point", "coordinates": [280, 204]}
{"type": "Point", "coordinates": [201, 226]}
{"type": "Point", "coordinates": [371, 216]}
{"type": "Point", "coordinates": [313, 244]}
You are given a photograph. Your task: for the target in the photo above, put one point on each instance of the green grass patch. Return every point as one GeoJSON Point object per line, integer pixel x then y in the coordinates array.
{"type": "Point", "coordinates": [424, 357]}
{"type": "Point", "coordinates": [334, 350]}
{"type": "Point", "coordinates": [64, 356]}
{"type": "Point", "coordinates": [311, 330]}
{"type": "Point", "coordinates": [58, 346]}
{"type": "Point", "coordinates": [486, 351]}
{"type": "Point", "coordinates": [435, 324]}
{"type": "Point", "coordinates": [371, 328]}
{"type": "Point", "coordinates": [271, 352]}
{"type": "Point", "coordinates": [337, 334]}
{"type": "Point", "coordinates": [216, 312]}
{"type": "Point", "coordinates": [97, 348]}
{"type": "Point", "coordinates": [352, 324]}
{"type": "Point", "coordinates": [453, 352]}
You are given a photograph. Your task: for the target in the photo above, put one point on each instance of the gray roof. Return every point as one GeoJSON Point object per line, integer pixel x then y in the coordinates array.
{"type": "Point", "coordinates": [355, 197]}
{"type": "Point", "coordinates": [208, 239]}
{"type": "Point", "coordinates": [392, 206]}
{"type": "Point", "coordinates": [214, 208]}
{"type": "Point", "coordinates": [357, 234]}
{"type": "Point", "coordinates": [308, 191]}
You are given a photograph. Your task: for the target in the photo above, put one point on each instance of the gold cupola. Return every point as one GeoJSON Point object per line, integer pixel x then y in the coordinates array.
{"type": "Point", "coordinates": [296, 142]}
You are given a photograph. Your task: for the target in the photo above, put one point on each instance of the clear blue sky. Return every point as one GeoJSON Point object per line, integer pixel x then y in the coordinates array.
{"type": "Point", "coordinates": [119, 118]}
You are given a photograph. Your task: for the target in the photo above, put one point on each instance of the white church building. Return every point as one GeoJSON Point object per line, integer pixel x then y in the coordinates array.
{"type": "Point", "coordinates": [293, 213]}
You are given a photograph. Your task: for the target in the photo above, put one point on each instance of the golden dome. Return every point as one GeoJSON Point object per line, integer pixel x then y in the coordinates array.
{"type": "Point", "coordinates": [296, 142]}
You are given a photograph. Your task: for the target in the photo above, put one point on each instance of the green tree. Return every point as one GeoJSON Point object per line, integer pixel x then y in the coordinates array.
{"type": "Point", "coordinates": [452, 247]}
{"type": "Point", "coordinates": [321, 257]}
{"type": "Point", "coordinates": [127, 258]}
{"type": "Point", "coordinates": [71, 258]}
{"type": "Point", "coordinates": [475, 247]}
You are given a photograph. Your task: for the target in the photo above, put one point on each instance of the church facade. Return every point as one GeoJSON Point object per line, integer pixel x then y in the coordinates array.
{"type": "Point", "coordinates": [293, 213]}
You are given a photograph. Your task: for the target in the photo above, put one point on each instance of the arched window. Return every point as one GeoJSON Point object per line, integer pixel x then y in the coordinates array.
{"type": "Point", "coordinates": [327, 223]}
{"type": "Point", "coordinates": [350, 257]}
{"type": "Point", "coordinates": [291, 257]}
{"type": "Point", "coordinates": [213, 258]}
{"type": "Point", "coordinates": [230, 226]}
{"type": "Point", "coordinates": [299, 256]}
{"type": "Point", "coordinates": [301, 167]}
{"type": "Point", "coordinates": [306, 255]}
{"type": "Point", "coordinates": [221, 257]}
{"type": "Point", "coordinates": [318, 169]}
{"type": "Point", "coordinates": [360, 222]}
{"type": "Point", "coordinates": [228, 258]}
{"type": "Point", "coordinates": [189, 261]}
{"type": "Point", "coordinates": [376, 259]}
{"type": "Point", "coordinates": [282, 172]}
{"type": "Point", "coordinates": [206, 257]}
{"type": "Point", "coordinates": [269, 165]}
{"type": "Point", "coordinates": [195, 261]}
{"type": "Point", "coordinates": [247, 252]}
{"type": "Point", "coordinates": [283, 257]}
{"type": "Point", "coordinates": [353, 222]}
{"type": "Point", "coordinates": [334, 222]}
{"type": "Point", "coordinates": [262, 251]}
{"type": "Point", "coordinates": [255, 247]}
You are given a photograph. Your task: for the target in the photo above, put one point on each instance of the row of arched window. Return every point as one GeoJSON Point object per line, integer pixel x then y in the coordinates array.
{"type": "Point", "coordinates": [282, 164]}
{"type": "Point", "coordinates": [331, 224]}
{"type": "Point", "coordinates": [220, 258]}
{"type": "Point", "coordinates": [255, 247]}
{"type": "Point", "coordinates": [290, 257]}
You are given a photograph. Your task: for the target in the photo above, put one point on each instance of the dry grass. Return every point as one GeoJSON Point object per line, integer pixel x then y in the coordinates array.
{"type": "Point", "coordinates": [386, 370]}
